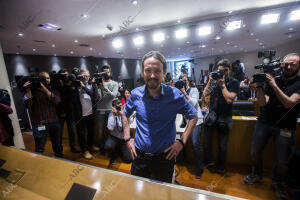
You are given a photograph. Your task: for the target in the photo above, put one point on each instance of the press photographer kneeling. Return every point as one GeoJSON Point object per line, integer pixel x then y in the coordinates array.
{"type": "Point", "coordinates": [278, 99]}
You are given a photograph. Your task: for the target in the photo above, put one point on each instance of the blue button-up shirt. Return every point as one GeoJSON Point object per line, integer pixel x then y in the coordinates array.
{"type": "Point", "coordinates": [155, 117]}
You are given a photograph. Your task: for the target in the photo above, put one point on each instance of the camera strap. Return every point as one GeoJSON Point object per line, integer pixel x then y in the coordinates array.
{"type": "Point", "coordinates": [286, 113]}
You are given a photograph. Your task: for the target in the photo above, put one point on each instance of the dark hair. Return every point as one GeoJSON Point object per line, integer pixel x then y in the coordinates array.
{"type": "Point", "coordinates": [62, 71]}
{"type": "Point", "coordinates": [158, 56]}
{"type": "Point", "coordinates": [224, 63]}
{"type": "Point", "coordinates": [105, 67]}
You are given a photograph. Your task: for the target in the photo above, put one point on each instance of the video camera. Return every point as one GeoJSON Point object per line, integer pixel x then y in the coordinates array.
{"type": "Point", "coordinates": [180, 84]}
{"type": "Point", "coordinates": [35, 81]}
{"type": "Point", "coordinates": [99, 76]}
{"type": "Point", "coordinates": [273, 67]}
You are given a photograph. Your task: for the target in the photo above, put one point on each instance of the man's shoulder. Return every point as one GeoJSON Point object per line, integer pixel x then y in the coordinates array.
{"type": "Point", "coordinates": [139, 91]}
{"type": "Point", "coordinates": [234, 81]}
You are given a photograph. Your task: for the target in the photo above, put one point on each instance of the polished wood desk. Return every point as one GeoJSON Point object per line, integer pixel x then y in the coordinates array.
{"type": "Point", "coordinates": [35, 176]}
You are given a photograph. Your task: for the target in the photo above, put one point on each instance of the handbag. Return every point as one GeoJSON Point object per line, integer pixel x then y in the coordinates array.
{"type": "Point", "coordinates": [210, 118]}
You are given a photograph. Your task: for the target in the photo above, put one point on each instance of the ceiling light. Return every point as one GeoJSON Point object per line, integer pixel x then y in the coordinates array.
{"type": "Point", "coordinates": [178, 48]}
{"type": "Point", "coordinates": [218, 37]}
{"type": "Point", "coordinates": [256, 39]}
{"type": "Point", "coordinates": [291, 29]}
{"type": "Point", "coordinates": [235, 46]}
{"type": "Point", "coordinates": [234, 25]}
{"type": "Point", "coordinates": [269, 18]}
{"type": "Point", "coordinates": [178, 21]}
{"type": "Point", "coordinates": [158, 37]}
{"type": "Point", "coordinates": [181, 33]}
{"type": "Point", "coordinates": [91, 49]}
{"type": "Point", "coordinates": [134, 2]}
{"type": "Point", "coordinates": [100, 53]}
{"type": "Point", "coordinates": [187, 42]}
{"type": "Point", "coordinates": [117, 43]}
{"type": "Point", "coordinates": [228, 43]}
{"type": "Point", "coordinates": [71, 52]}
{"type": "Point", "coordinates": [85, 16]}
{"type": "Point", "coordinates": [138, 40]}
{"type": "Point", "coordinates": [203, 46]}
{"type": "Point", "coordinates": [137, 29]}
{"type": "Point", "coordinates": [260, 43]}
{"type": "Point", "coordinates": [244, 25]}
{"type": "Point", "coordinates": [21, 34]}
{"type": "Point", "coordinates": [205, 30]}
{"type": "Point", "coordinates": [50, 27]}
{"type": "Point", "coordinates": [53, 45]}
{"type": "Point", "coordinates": [55, 54]}
{"type": "Point", "coordinates": [33, 49]}
{"type": "Point", "coordinates": [251, 34]}
{"type": "Point", "coordinates": [290, 36]}
{"type": "Point", "coordinates": [295, 15]}
{"type": "Point", "coordinates": [230, 11]}
{"type": "Point", "coordinates": [17, 53]}
{"type": "Point", "coordinates": [76, 41]}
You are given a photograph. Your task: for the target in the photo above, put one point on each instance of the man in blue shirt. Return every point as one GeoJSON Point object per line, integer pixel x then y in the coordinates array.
{"type": "Point", "coordinates": [154, 147]}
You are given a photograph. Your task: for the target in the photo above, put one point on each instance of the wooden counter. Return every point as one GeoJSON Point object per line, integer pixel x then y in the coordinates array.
{"type": "Point", "coordinates": [35, 176]}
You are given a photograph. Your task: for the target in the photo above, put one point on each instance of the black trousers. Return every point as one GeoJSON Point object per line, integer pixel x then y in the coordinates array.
{"type": "Point", "coordinates": [85, 123]}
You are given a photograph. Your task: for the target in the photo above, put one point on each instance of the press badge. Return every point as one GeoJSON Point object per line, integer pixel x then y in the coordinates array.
{"type": "Point", "coordinates": [41, 127]}
{"type": "Point", "coordinates": [285, 133]}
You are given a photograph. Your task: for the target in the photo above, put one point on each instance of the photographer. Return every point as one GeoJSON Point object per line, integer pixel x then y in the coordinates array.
{"type": "Point", "coordinates": [222, 90]}
{"type": "Point", "coordinates": [116, 138]}
{"type": "Point", "coordinates": [42, 100]}
{"type": "Point", "coordinates": [84, 116]}
{"type": "Point", "coordinates": [64, 109]}
{"type": "Point", "coordinates": [278, 118]}
{"type": "Point", "coordinates": [192, 95]}
{"type": "Point", "coordinates": [106, 91]}
{"type": "Point", "coordinates": [6, 129]}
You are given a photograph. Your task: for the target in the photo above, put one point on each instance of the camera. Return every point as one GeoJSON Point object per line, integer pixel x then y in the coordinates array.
{"type": "Point", "coordinates": [4, 97]}
{"type": "Point", "coordinates": [217, 74]}
{"type": "Point", "coordinates": [99, 77]}
{"type": "Point", "coordinates": [273, 67]}
{"type": "Point", "coordinates": [35, 82]}
{"type": "Point", "coordinates": [115, 103]}
{"type": "Point", "coordinates": [180, 84]}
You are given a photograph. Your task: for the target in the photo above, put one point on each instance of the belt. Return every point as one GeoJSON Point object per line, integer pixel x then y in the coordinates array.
{"type": "Point", "coordinates": [159, 156]}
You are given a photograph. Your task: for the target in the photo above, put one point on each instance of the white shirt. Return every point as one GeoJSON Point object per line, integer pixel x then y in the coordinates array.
{"type": "Point", "coordinates": [86, 102]}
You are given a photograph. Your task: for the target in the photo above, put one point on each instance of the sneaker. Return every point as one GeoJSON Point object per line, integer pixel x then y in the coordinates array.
{"type": "Point", "coordinates": [112, 161]}
{"type": "Point", "coordinates": [281, 190]}
{"type": "Point", "coordinates": [75, 149]}
{"type": "Point", "coordinates": [207, 165]}
{"type": "Point", "coordinates": [94, 148]}
{"type": "Point", "coordinates": [87, 155]}
{"type": "Point", "coordinates": [252, 178]}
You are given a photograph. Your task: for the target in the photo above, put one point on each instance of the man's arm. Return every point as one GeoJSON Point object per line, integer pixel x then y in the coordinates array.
{"type": "Point", "coordinates": [208, 89]}
{"type": "Point", "coordinates": [229, 96]}
{"type": "Point", "coordinates": [287, 101]}
{"type": "Point", "coordinates": [129, 141]}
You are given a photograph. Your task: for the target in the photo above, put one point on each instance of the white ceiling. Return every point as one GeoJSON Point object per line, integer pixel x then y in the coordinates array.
{"type": "Point", "coordinates": [148, 16]}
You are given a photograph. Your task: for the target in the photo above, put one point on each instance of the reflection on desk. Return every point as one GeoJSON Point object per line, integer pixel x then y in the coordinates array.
{"type": "Point", "coordinates": [50, 178]}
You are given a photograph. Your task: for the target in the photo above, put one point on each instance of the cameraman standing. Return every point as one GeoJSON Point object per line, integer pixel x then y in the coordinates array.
{"type": "Point", "coordinates": [278, 118]}
{"type": "Point", "coordinates": [42, 102]}
{"type": "Point", "coordinates": [106, 91]}
{"type": "Point", "coordinates": [222, 96]}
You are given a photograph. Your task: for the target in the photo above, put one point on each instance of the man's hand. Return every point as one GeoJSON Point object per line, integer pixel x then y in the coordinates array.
{"type": "Point", "coordinates": [174, 150]}
{"type": "Point", "coordinates": [271, 80]}
{"type": "Point", "coordinates": [131, 148]}
{"type": "Point", "coordinates": [26, 85]}
{"type": "Point", "coordinates": [114, 110]}
{"type": "Point", "coordinates": [221, 81]}
{"type": "Point", "coordinates": [82, 84]}
{"type": "Point", "coordinates": [210, 79]}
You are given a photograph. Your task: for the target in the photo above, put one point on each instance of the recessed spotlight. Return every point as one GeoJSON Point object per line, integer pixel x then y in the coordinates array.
{"type": "Point", "coordinates": [244, 25]}
{"type": "Point", "coordinates": [137, 29]}
{"type": "Point", "coordinates": [53, 45]}
{"type": "Point", "coordinates": [228, 43]}
{"type": "Point", "coordinates": [256, 39]}
{"type": "Point", "coordinates": [181, 33]}
{"type": "Point", "coordinates": [20, 34]}
{"type": "Point", "coordinates": [295, 15]}
{"type": "Point", "coordinates": [260, 43]}
{"type": "Point", "coordinates": [17, 53]}
{"type": "Point", "coordinates": [85, 16]}
{"type": "Point", "coordinates": [235, 46]}
{"type": "Point", "coordinates": [263, 47]}
{"type": "Point", "coordinates": [99, 53]}
{"type": "Point", "coordinates": [251, 34]}
{"type": "Point", "coordinates": [103, 35]}
{"type": "Point", "coordinates": [289, 36]}
{"type": "Point", "coordinates": [178, 21]}
{"type": "Point", "coordinates": [203, 46]}
{"type": "Point", "coordinates": [205, 30]}
{"type": "Point", "coordinates": [33, 49]}
{"type": "Point", "coordinates": [230, 11]}
{"type": "Point", "coordinates": [71, 52]}
{"type": "Point", "coordinates": [55, 54]}
{"type": "Point", "coordinates": [138, 40]}
{"type": "Point", "coordinates": [50, 27]}
{"type": "Point", "coordinates": [291, 29]}
{"type": "Point", "coordinates": [188, 42]}
{"type": "Point", "coordinates": [234, 25]}
{"type": "Point", "coordinates": [218, 37]}
{"type": "Point", "coordinates": [91, 49]}
{"type": "Point", "coordinates": [162, 45]}
{"type": "Point", "coordinates": [76, 41]}
{"type": "Point", "coordinates": [158, 37]}
{"type": "Point", "coordinates": [178, 48]}
{"type": "Point", "coordinates": [269, 18]}
{"type": "Point", "coordinates": [117, 43]}
{"type": "Point", "coordinates": [134, 2]}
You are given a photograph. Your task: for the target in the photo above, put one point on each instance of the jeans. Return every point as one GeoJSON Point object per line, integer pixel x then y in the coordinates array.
{"type": "Point", "coordinates": [40, 138]}
{"type": "Point", "coordinates": [112, 144]}
{"type": "Point", "coordinates": [71, 128]}
{"type": "Point", "coordinates": [102, 123]}
{"type": "Point", "coordinates": [85, 123]}
{"type": "Point", "coordinates": [223, 135]}
{"type": "Point", "coordinates": [263, 131]}
{"type": "Point", "coordinates": [198, 149]}
{"type": "Point", "coordinates": [162, 169]}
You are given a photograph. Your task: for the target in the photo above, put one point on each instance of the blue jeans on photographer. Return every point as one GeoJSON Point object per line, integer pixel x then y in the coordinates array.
{"type": "Point", "coordinates": [262, 133]}
{"type": "Point", "coordinates": [102, 118]}
{"type": "Point", "coordinates": [198, 149]}
{"type": "Point", "coordinates": [223, 129]}
{"type": "Point", "coordinates": [40, 133]}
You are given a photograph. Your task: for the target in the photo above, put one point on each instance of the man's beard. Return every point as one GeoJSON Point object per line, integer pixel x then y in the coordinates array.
{"type": "Point", "coordinates": [152, 84]}
{"type": "Point", "coordinates": [289, 74]}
